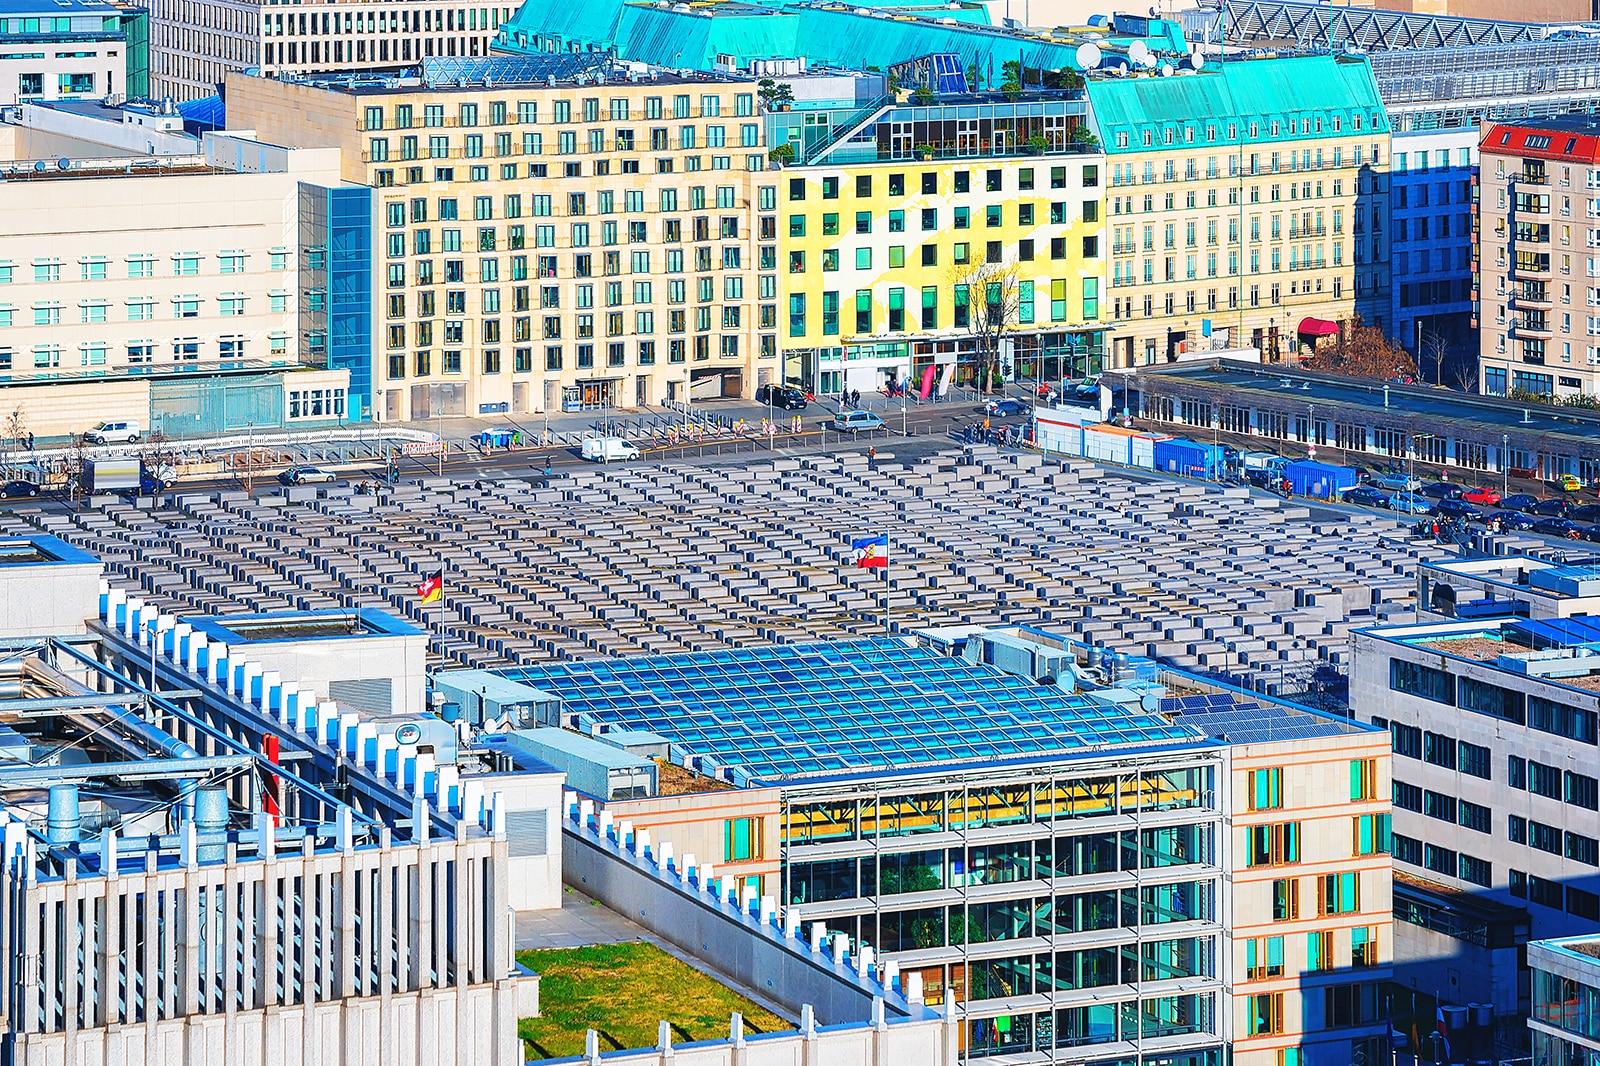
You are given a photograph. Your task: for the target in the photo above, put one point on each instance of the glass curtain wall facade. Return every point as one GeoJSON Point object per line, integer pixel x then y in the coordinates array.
{"type": "Point", "coordinates": [1092, 890]}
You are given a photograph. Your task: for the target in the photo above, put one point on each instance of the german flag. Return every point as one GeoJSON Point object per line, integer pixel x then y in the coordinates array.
{"type": "Point", "coordinates": [432, 588]}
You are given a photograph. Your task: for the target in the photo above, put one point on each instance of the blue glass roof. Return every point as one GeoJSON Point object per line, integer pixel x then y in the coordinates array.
{"type": "Point", "coordinates": [803, 710]}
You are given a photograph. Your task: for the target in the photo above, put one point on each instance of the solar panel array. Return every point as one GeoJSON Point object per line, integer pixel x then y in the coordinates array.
{"type": "Point", "coordinates": [801, 710]}
{"type": "Point", "coordinates": [1245, 721]}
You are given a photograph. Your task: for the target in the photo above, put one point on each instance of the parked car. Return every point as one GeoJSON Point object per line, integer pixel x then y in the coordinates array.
{"type": "Point", "coordinates": [113, 433]}
{"type": "Point", "coordinates": [307, 475]}
{"type": "Point", "coordinates": [1410, 503]}
{"type": "Point", "coordinates": [1482, 497]}
{"type": "Point", "coordinates": [1555, 507]}
{"type": "Point", "coordinates": [1520, 501]}
{"type": "Point", "coordinates": [1398, 483]}
{"type": "Point", "coordinates": [1455, 509]}
{"type": "Point", "coordinates": [1005, 408]}
{"type": "Point", "coordinates": [1516, 521]}
{"type": "Point", "coordinates": [13, 489]}
{"type": "Point", "coordinates": [1566, 483]}
{"type": "Point", "coordinates": [1363, 475]}
{"type": "Point", "coordinates": [784, 397]}
{"type": "Point", "coordinates": [1584, 512]}
{"type": "Point", "coordinates": [1441, 490]}
{"type": "Point", "coordinates": [1366, 496]}
{"type": "Point", "coordinates": [1557, 527]}
{"type": "Point", "coordinates": [856, 421]}
{"type": "Point", "coordinates": [608, 449]}
{"type": "Point", "coordinates": [1590, 533]}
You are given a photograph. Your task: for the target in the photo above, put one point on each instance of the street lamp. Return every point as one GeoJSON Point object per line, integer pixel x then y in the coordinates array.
{"type": "Point", "coordinates": [1505, 484]}
{"type": "Point", "coordinates": [1311, 431]}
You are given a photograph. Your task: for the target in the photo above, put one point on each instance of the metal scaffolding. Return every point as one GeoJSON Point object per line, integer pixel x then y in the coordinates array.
{"type": "Point", "coordinates": [1317, 27]}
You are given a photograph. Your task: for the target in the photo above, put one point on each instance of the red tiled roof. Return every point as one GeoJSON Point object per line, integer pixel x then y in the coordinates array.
{"type": "Point", "coordinates": [1548, 142]}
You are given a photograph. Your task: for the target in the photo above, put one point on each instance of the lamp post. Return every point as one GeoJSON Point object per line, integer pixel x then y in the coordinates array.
{"type": "Point", "coordinates": [249, 455]}
{"type": "Point", "coordinates": [1505, 483]}
{"type": "Point", "coordinates": [1311, 431]}
{"type": "Point", "coordinates": [439, 424]}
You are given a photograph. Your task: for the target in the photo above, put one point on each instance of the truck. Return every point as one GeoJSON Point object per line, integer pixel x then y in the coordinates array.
{"type": "Point", "coordinates": [126, 476]}
{"type": "Point", "coordinates": [608, 449]}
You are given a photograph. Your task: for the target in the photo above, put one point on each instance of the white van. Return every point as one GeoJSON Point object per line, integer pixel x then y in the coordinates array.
{"type": "Point", "coordinates": [113, 433]}
{"type": "Point", "coordinates": [608, 449]}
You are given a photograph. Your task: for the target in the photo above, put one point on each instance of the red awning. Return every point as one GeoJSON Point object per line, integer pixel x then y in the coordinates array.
{"type": "Point", "coordinates": [1318, 327]}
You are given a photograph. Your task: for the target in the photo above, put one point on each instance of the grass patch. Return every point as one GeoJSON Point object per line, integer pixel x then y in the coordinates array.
{"type": "Point", "coordinates": [623, 991]}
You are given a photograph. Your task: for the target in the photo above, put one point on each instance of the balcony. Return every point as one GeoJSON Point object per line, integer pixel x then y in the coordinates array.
{"type": "Point", "coordinates": [1531, 177]}
{"type": "Point", "coordinates": [1530, 327]}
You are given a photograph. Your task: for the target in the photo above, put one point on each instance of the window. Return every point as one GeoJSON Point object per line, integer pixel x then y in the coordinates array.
{"type": "Point", "coordinates": [1544, 780]}
{"type": "Point", "coordinates": [1516, 829]}
{"type": "Point", "coordinates": [1439, 750]}
{"type": "Point", "coordinates": [1581, 790]}
{"type": "Point", "coordinates": [1263, 958]}
{"type": "Point", "coordinates": [1339, 893]}
{"type": "Point", "coordinates": [1475, 870]}
{"type": "Point", "coordinates": [1364, 946]}
{"type": "Point", "coordinates": [1363, 779]}
{"type": "Point", "coordinates": [742, 838]}
{"type": "Point", "coordinates": [1407, 740]}
{"type": "Point", "coordinates": [1286, 899]}
{"type": "Point", "coordinates": [1407, 796]}
{"type": "Point", "coordinates": [1475, 816]}
{"type": "Point", "coordinates": [1406, 849]}
{"type": "Point", "coordinates": [1439, 805]}
{"type": "Point", "coordinates": [1274, 845]}
{"type": "Point", "coordinates": [1266, 788]}
{"type": "Point", "coordinates": [1473, 760]}
{"type": "Point", "coordinates": [1265, 1013]}
{"type": "Point", "coordinates": [1583, 849]}
{"type": "Point", "coordinates": [1425, 682]}
{"type": "Point", "coordinates": [1490, 699]}
{"type": "Point", "coordinates": [1369, 834]}
{"type": "Point", "coordinates": [1516, 771]}
{"type": "Point", "coordinates": [1574, 723]}
{"type": "Point", "coordinates": [1546, 838]}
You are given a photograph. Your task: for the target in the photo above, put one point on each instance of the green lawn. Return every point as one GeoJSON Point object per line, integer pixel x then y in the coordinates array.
{"type": "Point", "coordinates": [623, 991]}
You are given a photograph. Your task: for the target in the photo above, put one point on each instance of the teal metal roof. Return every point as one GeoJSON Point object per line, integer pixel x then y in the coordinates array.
{"type": "Point", "coordinates": [695, 38]}
{"type": "Point", "coordinates": [826, 34]}
{"type": "Point", "coordinates": [1259, 90]}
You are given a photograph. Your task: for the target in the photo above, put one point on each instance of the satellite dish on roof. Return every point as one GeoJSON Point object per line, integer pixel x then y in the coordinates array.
{"type": "Point", "coordinates": [1138, 51]}
{"type": "Point", "coordinates": [40, 166]}
{"type": "Point", "coordinates": [63, 164]}
{"type": "Point", "coordinates": [1149, 62]}
{"type": "Point", "coordinates": [1166, 70]}
{"type": "Point", "coordinates": [1088, 56]}
{"type": "Point", "coordinates": [1197, 61]}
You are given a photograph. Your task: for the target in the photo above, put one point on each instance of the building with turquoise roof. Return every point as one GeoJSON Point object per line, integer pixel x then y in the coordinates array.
{"type": "Point", "coordinates": [1245, 204]}
{"type": "Point", "coordinates": [730, 34]}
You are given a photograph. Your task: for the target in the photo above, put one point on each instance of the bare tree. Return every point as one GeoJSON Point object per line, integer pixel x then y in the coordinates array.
{"type": "Point", "coordinates": [1433, 349]}
{"type": "Point", "coordinates": [16, 426]}
{"type": "Point", "coordinates": [991, 294]}
{"type": "Point", "coordinates": [1464, 371]}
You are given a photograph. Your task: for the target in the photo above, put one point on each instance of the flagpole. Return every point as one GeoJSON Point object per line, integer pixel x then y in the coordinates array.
{"type": "Point", "coordinates": [887, 630]}
{"type": "Point", "coordinates": [441, 612]}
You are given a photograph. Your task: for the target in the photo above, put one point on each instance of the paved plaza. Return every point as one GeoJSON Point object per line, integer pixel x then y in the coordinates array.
{"type": "Point", "coordinates": [644, 559]}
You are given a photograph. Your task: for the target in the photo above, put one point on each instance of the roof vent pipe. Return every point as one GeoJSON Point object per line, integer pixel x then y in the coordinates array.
{"type": "Point", "coordinates": [62, 821]}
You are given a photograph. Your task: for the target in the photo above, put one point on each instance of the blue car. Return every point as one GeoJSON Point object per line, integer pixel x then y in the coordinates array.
{"type": "Point", "coordinates": [1410, 503]}
{"type": "Point", "coordinates": [1005, 408]}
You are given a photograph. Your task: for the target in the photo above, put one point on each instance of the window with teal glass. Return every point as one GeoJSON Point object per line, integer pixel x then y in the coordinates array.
{"type": "Point", "coordinates": [1266, 788]}
{"type": "Point", "coordinates": [743, 840]}
{"type": "Point", "coordinates": [863, 258]}
{"type": "Point", "coordinates": [1025, 301]}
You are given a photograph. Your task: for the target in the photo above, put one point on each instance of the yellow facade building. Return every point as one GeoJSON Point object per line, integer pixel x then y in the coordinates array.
{"type": "Point", "coordinates": [580, 240]}
{"type": "Point", "coordinates": [899, 232]}
{"type": "Point", "coordinates": [1244, 204]}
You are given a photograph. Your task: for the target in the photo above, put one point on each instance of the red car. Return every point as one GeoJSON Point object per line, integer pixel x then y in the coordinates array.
{"type": "Point", "coordinates": [1481, 497]}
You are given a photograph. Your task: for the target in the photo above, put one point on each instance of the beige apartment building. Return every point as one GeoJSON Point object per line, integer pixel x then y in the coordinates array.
{"type": "Point", "coordinates": [1243, 205]}
{"type": "Point", "coordinates": [149, 289]}
{"type": "Point", "coordinates": [548, 244]}
{"type": "Point", "coordinates": [1539, 258]}
{"type": "Point", "coordinates": [195, 43]}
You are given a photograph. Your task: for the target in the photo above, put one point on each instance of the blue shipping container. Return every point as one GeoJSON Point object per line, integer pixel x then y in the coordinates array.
{"type": "Point", "coordinates": [1322, 480]}
{"type": "Point", "coordinates": [1188, 458]}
